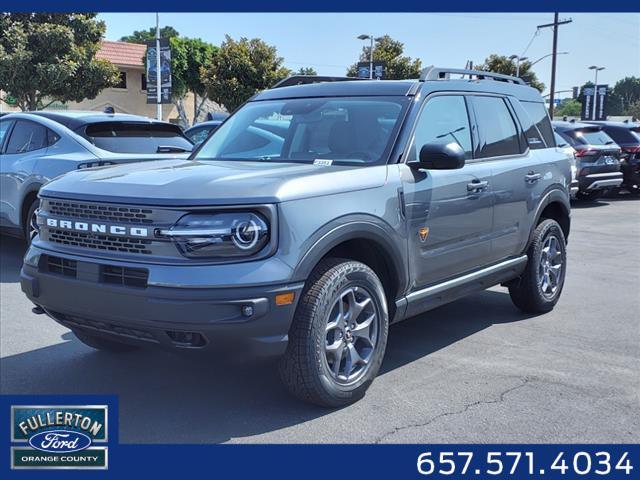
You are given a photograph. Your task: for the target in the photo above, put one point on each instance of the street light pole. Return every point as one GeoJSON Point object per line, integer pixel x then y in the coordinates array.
{"type": "Point", "coordinates": [371, 58]}
{"type": "Point", "coordinates": [518, 59]}
{"type": "Point", "coordinates": [369, 37]}
{"type": "Point", "coordinates": [595, 89]}
{"type": "Point", "coordinates": [158, 71]}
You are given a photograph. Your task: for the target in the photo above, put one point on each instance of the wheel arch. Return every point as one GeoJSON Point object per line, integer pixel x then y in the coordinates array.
{"type": "Point", "coordinates": [555, 205]}
{"type": "Point", "coordinates": [366, 242]}
{"type": "Point", "coordinates": [30, 194]}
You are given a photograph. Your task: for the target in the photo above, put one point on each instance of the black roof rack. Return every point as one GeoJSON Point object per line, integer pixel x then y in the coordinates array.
{"type": "Point", "coordinates": [440, 73]}
{"type": "Point", "coordinates": [307, 79]}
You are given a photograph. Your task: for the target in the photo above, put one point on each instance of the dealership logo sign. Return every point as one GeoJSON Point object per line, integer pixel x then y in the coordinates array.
{"type": "Point", "coordinates": [54, 437]}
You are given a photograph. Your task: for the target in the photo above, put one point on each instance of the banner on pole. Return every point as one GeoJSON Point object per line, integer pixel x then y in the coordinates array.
{"type": "Point", "coordinates": [600, 92]}
{"type": "Point", "coordinates": [165, 71]}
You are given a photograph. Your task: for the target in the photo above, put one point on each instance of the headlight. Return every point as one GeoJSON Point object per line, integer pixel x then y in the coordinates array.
{"type": "Point", "coordinates": [237, 234]}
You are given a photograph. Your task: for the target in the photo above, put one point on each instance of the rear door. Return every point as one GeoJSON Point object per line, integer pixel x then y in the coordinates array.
{"type": "Point", "coordinates": [519, 173]}
{"type": "Point", "coordinates": [27, 142]}
{"type": "Point", "coordinates": [449, 212]}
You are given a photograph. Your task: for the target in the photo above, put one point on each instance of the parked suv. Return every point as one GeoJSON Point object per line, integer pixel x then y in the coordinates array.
{"type": "Point", "coordinates": [597, 157]}
{"type": "Point", "coordinates": [312, 219]}
{"type": "Point", "coordinates": [36, 147]}
{"type": "Point", "coordinates": [627, 135]}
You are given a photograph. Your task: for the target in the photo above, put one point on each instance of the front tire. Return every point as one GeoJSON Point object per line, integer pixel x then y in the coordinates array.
{"type": "Point", "coordinates": [338, 336]}
{"type": "Point", "coordinates": [30, 222]}
{"type": "Point", "coordinates": [540, 286]}
{"type": "Point", "coordinates": [100, 343]}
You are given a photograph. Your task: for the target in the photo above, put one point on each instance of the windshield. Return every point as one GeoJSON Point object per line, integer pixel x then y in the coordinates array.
{"type": "Point", "coordinates": [341, 130]}
{"type": "Point", "coordinates": [131, 137]}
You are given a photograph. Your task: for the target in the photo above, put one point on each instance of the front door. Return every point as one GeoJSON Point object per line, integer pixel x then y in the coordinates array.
{"type": "Point", "coordinates": [449, 212]}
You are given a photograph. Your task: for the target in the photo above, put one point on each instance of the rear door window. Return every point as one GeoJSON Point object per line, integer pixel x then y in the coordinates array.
{"type": "Point", "coordinates": [132, 137]}
{"type": "Point", "coordinates": [26, 137]}
{"type": "Point", "coordinates": [498, 133]}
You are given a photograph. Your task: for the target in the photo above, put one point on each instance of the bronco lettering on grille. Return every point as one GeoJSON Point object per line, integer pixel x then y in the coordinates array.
{"type": "Point", "coordinates": [97, 227]}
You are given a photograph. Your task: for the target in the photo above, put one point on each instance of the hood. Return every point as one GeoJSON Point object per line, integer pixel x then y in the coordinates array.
{"type": "Point", "coordinates": [187, 182]}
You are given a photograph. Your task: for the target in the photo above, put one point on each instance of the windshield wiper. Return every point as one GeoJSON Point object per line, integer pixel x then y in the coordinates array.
{"type": "Point", "coordinates": [171, 149]}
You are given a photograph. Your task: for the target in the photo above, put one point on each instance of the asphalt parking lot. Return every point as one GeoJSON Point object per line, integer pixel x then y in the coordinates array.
{"type": "Point", "coordinates": [473, 371]}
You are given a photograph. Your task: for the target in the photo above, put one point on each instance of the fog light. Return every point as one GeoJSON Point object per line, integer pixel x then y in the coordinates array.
{"type": "Point", "coordinates": [247, 310]}
{"type": "Point", "coordinates": [285, 298]}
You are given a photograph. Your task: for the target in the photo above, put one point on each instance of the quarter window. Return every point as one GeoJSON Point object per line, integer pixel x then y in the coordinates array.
{"type": "Point", "coordinates": [538, 114]}
{"type": "Point", "coordinates": [498, 132]}
{"type": "Point", "coordinates": [26, 137]}
{"type": "Point", "coordinates": [5, 125]}
{"type": "Point", "coordinates": [443, 120]}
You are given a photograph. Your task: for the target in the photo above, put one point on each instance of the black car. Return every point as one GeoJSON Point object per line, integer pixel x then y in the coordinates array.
{"type": "Point", "coordinates": [627, 136]}
{"type": "Point", "coordinates": [597, 157]}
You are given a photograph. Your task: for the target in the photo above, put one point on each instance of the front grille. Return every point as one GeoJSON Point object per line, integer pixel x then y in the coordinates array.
{"type": "Point", "coordinates": [58, 220]}
{"type": "Point", "coordinates": [61, 266]}
{"type": "Point", "coordinates": [74, 321]}
{"type": "Point", "coordinates": [99, 242]}
{"type": "Point", "coordinates": [126, 276]}
{"type": "Point", "coordinates": [96, 211]}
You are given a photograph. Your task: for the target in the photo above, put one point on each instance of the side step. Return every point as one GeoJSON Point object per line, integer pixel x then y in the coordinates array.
{"type": "Point", "coordinates": [434, 296]}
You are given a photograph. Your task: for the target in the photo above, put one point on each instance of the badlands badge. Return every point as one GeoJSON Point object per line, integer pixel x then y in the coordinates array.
{"type": "Point", "coordinates": [59, 437]}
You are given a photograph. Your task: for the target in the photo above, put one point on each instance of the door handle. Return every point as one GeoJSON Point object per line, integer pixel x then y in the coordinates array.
{"type": "Point", "coordinates": [477, 186]}
{"type": "Point", "coordinates": [532, 177]}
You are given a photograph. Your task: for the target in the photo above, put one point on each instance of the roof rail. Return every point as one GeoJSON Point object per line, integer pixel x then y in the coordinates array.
{"type": "Point", "coordinates": [440, 73]}
{"type": "Point", "coordinates": [307, 79]}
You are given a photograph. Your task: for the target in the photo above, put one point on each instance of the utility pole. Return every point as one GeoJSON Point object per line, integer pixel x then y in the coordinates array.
{"type": "Point", "coordinates": [158, 70]}
{"type": "Point", "coordinates": [555, 26]}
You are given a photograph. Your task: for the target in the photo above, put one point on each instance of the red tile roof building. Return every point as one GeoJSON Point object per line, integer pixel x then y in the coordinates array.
{"type": "Point", "coordinates": [123, 54]}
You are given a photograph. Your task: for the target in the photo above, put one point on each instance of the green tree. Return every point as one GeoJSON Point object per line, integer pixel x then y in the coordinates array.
{"type": "Point", "coordinates": [634, 110]}
{"type": "Point", "coordinates": [188, 57]}
{"type": "Point", "coordinates": [502, 64]}
{"type": "Point", "coordinates": [625, 93]}
{"type": "Point", "coordinates": [306, 71]}
{"type": "Point", "coordinates": [242, 68]}
{"type": "Point", "coordinates": [47, 57]}
{"type": "Point", "coordinates": [143, 36]}
{"type": "Point", "coordinates": [389, 51]}
{"type": "Point", "coordinates": [568, 108]}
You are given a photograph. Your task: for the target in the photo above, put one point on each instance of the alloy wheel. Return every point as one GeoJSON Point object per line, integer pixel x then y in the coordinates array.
{"type": "Point", "coordinates": [351, 335]}
{"type": "Point", "coordinates": [550, 267]}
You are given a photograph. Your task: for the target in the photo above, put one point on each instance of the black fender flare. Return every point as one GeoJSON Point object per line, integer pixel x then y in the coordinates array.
{"type": "Point", "coordinates": [362, 228]}
{"type": "Point", "coordinates": [554, 195]}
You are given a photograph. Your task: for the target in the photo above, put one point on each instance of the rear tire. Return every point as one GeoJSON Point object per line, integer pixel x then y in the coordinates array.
{"type": "Point", "coordinates": [540, 285]}
{"type": "Point", "coordinates": [338, 336]}
{"type": "Point", "coordinates": [100, 343]}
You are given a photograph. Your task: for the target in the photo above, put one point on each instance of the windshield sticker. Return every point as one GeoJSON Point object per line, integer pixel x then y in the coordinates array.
{"type": "Point", "coordinates": [323, 162]}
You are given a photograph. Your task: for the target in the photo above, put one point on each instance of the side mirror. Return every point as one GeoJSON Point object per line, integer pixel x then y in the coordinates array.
{"type": "Point", "coordinates": [440, 156]}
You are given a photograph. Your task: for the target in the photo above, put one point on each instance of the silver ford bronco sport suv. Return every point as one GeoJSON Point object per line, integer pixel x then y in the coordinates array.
{"type": "Point", "coordinates": [318, 214]}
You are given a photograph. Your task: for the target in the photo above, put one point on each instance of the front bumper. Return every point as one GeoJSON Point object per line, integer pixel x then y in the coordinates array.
{"type": "Point", "coordinates": [180, 316]}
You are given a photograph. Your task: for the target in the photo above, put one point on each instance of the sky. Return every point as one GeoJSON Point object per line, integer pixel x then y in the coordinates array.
{"type": "Point", "coordinates": [327, 41]}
